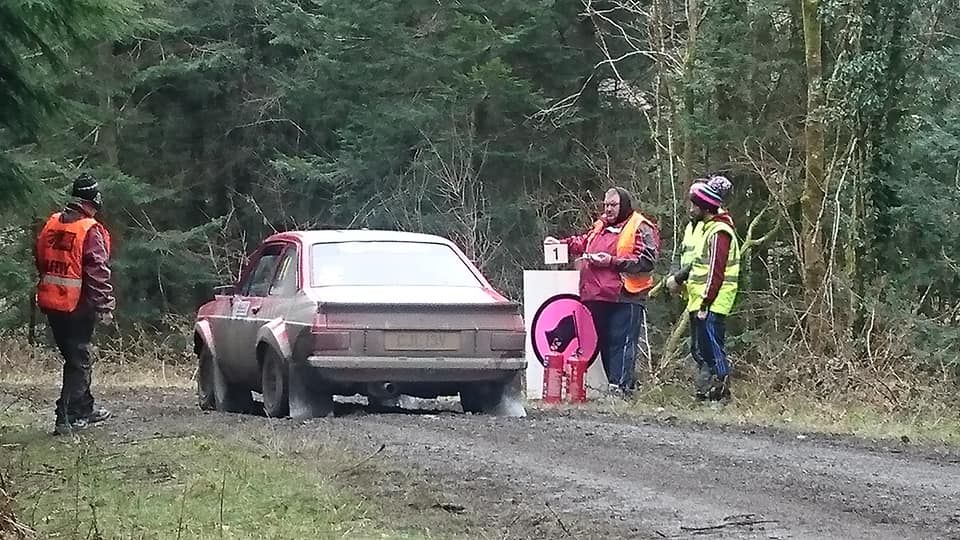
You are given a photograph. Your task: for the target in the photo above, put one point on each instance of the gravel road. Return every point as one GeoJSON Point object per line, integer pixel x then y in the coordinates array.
{"type": "Point", "coordinates": [586, 475]}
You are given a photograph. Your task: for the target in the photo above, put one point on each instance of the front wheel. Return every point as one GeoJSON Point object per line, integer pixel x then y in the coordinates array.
{"type": "Point", "coordinates": [274, 381]}
{"type": "Point", "coordinates": [206, 392]}
{"type": "Point", "coordinates": [216, 392]}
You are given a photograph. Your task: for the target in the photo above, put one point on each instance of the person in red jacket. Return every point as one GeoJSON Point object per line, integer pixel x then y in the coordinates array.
{"type": "Point", "coordinates": [618, 255]}
{"type": "Point", "coordinates": [74, 291]}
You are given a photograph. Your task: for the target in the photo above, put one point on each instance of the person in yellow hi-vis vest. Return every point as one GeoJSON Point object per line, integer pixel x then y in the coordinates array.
{"type": "Point", "coordinates": [708, 279]}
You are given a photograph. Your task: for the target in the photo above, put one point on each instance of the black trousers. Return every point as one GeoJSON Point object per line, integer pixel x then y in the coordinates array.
{"type": "Point", "coordinates": [73, 333]}
{"type": "Point", "coordinates": [618, 334]}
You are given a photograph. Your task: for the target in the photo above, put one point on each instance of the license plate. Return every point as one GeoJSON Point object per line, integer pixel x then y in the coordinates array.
{"type": "Point", "coordinates": [421, 341]}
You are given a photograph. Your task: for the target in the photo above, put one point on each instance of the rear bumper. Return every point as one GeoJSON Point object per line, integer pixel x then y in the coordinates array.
{"type": "Point", "coordinates": [436, 363]}
{"type": "Point", "coordinates": [413, 369]}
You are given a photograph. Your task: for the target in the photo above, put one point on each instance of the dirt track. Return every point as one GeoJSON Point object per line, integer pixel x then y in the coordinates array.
{"type": "Point", "coordinates": [591, 476]}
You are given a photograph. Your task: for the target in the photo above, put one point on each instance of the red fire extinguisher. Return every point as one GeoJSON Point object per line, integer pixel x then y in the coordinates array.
{"type": "Point", "coordinates": [553, 378]}
{"type": "Point", "coordinates": [577, 385]}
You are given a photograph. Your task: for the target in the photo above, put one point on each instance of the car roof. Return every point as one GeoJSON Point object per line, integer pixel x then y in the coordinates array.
{"type": "Point", "coordinates": [357, 235]}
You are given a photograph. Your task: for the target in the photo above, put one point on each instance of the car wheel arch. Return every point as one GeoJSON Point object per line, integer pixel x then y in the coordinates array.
{"type": "Point", "coordinates": [274, 335]}
{"type": "Point", "coordinates": [203, 337]}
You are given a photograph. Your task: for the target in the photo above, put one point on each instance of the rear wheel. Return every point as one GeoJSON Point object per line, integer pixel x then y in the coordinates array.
{"type": "Point", "coordinates": [274, 381]}
{"type": "Point", "coordinates": [309, 396]}
{"type": "Point", "coordinates": [501, 398]}
{"type": "Point", "coordinates": [477, 398]}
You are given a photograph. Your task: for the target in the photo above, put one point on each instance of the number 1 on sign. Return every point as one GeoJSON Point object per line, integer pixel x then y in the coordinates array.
{"type": "Point", "coordinates": [555, 254]}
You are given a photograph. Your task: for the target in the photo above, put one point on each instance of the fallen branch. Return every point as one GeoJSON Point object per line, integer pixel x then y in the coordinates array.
{"type": "Point", "coordinates": [506, 533]}
{"type": "Point", "coordinates": [559, 521]}
{"type": "Point", "coordinates": [449, 507]}
{"type": "Point", "coordinates": [155, 438]}
{"type": "Point", "coordinates": [738, 523]}
{"type": "Point", "coordinates": [361, 462]}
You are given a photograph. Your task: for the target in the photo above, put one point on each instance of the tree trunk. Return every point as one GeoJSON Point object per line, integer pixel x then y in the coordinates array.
{"type": "Point", "coordinates": [107, 134]}
{"type": "Point", "coordinates": [812, 200]}
{"type": "Point", "coordinates": [666, 108]}
{"type": "Point", "coordinates": [586, 38]}
{"type": "Point", "coordinates": [693, 20]}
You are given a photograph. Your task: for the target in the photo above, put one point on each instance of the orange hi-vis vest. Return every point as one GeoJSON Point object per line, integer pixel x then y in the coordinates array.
{"type": "Point", "coordinates": [60, 260]}
{"type": "Point", "coordinates": [626, 243]}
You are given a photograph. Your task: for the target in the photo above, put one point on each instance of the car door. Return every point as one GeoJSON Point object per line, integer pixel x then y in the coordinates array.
{"type": "Point", "coordinates": [283, 289]}
{"type": "Point", "coordinates": [245, 312]}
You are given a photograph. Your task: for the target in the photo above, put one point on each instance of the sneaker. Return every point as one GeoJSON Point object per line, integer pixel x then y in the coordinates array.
{"type": "Point", "coordinates": [719, 389]}
{"type": "Point", "coordinates": [69, 428]}
{"type": "Point", "coordinates": [63, 427]}
{"type": "Point", "coordinates": [97, 416]}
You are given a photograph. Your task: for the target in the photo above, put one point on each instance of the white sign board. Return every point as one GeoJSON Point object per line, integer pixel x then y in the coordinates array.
{"type": "Point", "coordinates": [540, 286]}
{"type": "Point", "coordinates": [555, 254]}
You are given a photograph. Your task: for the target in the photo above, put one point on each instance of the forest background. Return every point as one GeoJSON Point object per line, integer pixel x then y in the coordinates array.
{"type": "Point", "coordinates": [214, 123]}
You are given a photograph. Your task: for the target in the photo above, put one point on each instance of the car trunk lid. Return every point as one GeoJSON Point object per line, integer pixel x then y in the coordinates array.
{"type": "Point", "coordinates": [490, 329]}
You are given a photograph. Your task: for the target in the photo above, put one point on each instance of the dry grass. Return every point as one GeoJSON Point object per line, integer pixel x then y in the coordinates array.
{"type": "Point", "coordinates": [129, 361]}
{"type": "Point", "coordinates": [809, 395]}
{"type": "Point", "coordinates": [929, 422]}
{"type": "Point", "coordinates": [10, 525]}
{"type": "Point", "coordinates": [896, 377]}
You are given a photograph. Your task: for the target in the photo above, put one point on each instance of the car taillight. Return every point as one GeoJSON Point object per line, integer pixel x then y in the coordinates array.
{"type": "Point", "coordinates": [518, 323]}
{"type": "Point", "coordinates": [319, 322]}
{"type": "Point", "coordinates": [328, 340]}
{"type": "Point", "coordinates": [507, 341]}
{"type": "Point", "coordinates": [325, 339]}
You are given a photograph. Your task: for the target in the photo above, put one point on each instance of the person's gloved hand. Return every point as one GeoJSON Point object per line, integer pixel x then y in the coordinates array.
{"type": "Point", "coordinates": [672, 285]}
{"type": "Point", "coordinates": [601, 259]}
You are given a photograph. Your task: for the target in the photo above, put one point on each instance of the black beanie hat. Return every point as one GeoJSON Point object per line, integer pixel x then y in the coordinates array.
{"type": "Point", "coordinates": [85, 187]}
{"type": "Point", "coordinates": [626, 204]}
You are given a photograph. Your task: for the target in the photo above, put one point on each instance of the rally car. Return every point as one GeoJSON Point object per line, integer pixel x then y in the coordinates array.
{"type": "Point", "coordinates": [376, 313]}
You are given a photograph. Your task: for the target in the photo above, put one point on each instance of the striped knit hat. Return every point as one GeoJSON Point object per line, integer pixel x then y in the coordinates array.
{"type": "Point", "coordinates": [709, 193]}
{"type": "Point", "coordinates": [85, 187]}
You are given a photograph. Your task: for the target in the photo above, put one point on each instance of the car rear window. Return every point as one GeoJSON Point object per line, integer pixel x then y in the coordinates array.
{"type": "Point", "coordinates": [388, 263]}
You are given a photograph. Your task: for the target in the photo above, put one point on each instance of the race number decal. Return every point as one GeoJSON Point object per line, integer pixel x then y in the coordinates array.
{"type": "Point", "coordinates": [240, 309]}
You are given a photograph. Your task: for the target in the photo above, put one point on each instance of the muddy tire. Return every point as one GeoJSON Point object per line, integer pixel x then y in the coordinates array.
{"type": "Point", "coordinates": [206, 381]}
{"type": "Point", "coordinates": [503, 398]}
{"type": "Point", "coordinates": [477, 398]}
{"type": "Point", "coordinates": [309, 397]}
{"type": "Point", "coordinates": [274, 382]}
{"type": "Point", "coordinates": [235, 398]}
{"type": "Point", "coordinates": [216, 392]}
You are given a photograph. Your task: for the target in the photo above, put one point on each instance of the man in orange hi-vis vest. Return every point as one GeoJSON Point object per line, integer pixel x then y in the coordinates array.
{"type": "Point", "coordinates": [74, 291]}
{"type": "Point", "coordinates": [618, 255]}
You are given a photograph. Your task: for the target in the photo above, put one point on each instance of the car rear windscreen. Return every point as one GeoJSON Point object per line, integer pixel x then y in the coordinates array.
{"type": "Point", "coordinates": [411, 264]}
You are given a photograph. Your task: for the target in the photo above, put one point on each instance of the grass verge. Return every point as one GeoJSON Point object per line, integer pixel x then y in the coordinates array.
{"type": "Point", "coordinates": [189, 487]}
{"type": "Point", "coordinates": [928, 422]}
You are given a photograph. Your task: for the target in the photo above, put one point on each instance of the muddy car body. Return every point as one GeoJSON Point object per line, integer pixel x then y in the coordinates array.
{"type": "Point", "coordinates": [376, 313]}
